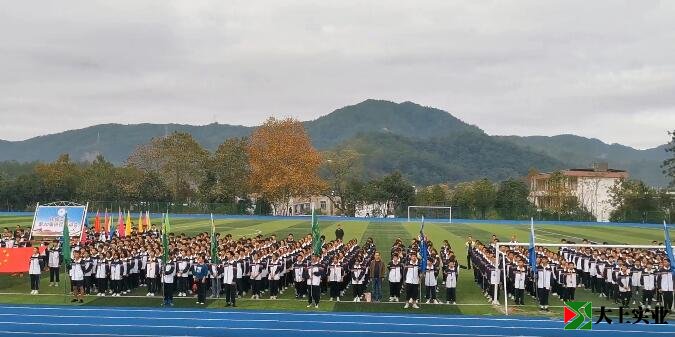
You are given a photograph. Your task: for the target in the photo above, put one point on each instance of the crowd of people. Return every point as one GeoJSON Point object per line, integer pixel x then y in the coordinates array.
{"type": "Point", "coordinates": [623, 275]}
{"type": "Point", "coordinates": [19, 237]}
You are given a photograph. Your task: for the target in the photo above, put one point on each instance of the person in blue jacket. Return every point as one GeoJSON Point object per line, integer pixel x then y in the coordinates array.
{"type": "Point", "coordinates": [200, 273]}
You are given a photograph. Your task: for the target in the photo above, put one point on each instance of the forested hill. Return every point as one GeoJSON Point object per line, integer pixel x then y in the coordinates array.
{"type": "Point", "coordinates": [427, 145]}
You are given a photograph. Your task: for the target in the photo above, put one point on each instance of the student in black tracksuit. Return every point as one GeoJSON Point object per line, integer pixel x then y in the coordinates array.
{"type": "Point", "coordinates": [169, 277]}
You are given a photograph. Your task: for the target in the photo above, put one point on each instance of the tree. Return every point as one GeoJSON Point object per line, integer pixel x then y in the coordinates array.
{"type": "Point", "coordinates": [339, 170]}
{"type": "Point", "coordinates": [462, 201]}
{"type": "Point", "coordinates": [511, 199]}
{"type": "Point", "coordinates": [283, 162]}
{"type": "Point", "coordinates": [227, 173]}
{"type": "Point", "coordinates": [178, 159]}
{"type": "Point", "coordinates": [668, 165]}
{"type": "Point", "coordinates": [98, 181]}
{"type": "Point", "coordinates": [634, 201]}
{"type": "Point", "coordinates": [60, 178]}
{"type": "Point", "coordinates": [398, 192]}
{"type": "Point", "coordinates": [558, 193]}
{"type": "Point", "coordinates": [484, 195]}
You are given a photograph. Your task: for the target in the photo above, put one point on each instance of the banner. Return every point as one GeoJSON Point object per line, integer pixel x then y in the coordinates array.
{"type": "Point", "coordinates": [15, 260]}
{"type": "Point", "coordinates": [48, 220]}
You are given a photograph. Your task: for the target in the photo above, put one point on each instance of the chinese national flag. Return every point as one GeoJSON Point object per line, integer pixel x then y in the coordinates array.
{"type": "Point", "coordinates": [15, 260]}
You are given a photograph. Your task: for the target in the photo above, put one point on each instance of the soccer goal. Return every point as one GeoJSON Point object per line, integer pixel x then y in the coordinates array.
{"type": "Point", "coordinates": [439, 213]}
{"type": "Point", "coordinates": [563, 249]}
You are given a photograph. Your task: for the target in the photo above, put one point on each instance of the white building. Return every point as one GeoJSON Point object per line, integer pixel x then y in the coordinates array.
{"type": "Point", "coordinates": [590, 186]}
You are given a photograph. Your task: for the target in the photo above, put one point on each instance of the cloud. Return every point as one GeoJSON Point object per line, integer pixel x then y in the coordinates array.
{"type": "Point", "coordinates": [528, 67]}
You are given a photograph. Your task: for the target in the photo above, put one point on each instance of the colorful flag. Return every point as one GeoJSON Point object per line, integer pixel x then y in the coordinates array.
{"type": "Point", "coordinates": [166, 226]}
{"type": "Point", "coordinates": [127, 224]}
{"type": "Point", "coordinates": [214, 243]}
{"type": "Point", "coordinates": [424, 251]}
{"type": "Point", "coordinates": [83, 235]}
{"type": "Point", "coordinates": [148, 223]}
{"type": "Point", "coordinates": [316, 235]}
{"type": "Point", "coordinates": [111, 225]}
{"type": "Point", "coordinates": [140, 222]}
{"type": "Point", "coordinates": [669, 247]}
{"type": "Point", "coordinates": [106, 218]}
{"type": "Point", "coordinates": [120, 224]}
{"type": "Point", "coordinates": [15, 260]}
{"type": "Point", "coordinates": [531, 251]}
{"type": "Point", "coordinates": [97, 223]}
{"type": "Point", "coordinates": [65, 249]}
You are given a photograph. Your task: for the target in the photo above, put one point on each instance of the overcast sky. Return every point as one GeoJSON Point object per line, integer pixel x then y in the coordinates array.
{"type": "Point", "coordinates": [593, 68]}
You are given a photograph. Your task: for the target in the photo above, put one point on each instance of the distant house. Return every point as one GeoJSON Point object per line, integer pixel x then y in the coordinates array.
{"type": "Point", "coordinates": [303, 206]}
{"type": "Point", "coordinates": [589, 185]}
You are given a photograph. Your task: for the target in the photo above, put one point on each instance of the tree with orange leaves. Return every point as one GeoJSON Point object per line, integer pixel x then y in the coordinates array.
{"type": "Point", "coordinates": [283, 162]}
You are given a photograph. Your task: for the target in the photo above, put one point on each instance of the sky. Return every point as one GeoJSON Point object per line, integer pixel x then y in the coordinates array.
{"type": "Point", "coordinates": [600, 69]}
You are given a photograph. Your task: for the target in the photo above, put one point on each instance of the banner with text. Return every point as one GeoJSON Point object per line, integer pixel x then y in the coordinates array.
{"type": "Point", "coordinates": [48, 220]}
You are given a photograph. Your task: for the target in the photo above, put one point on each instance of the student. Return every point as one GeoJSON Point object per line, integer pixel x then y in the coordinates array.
{"type": "Point", "coordinates": [623, 280]}
{"type": "Point", "coordinates": [200, 272]}
{"type": "Point", "coordinates": [34, 271]}
{"type": "Point", "coordinates": [102, 274]}
{"type": "Point", "coordinates": [358, 275]}
{"type": "Point", "coordinates": [334, 279]}
{"type": "Point", "coordinates": [412, 282]}
{"type": "Point", "coordinates": [395, 275]}
{"type": "Point", "coordinates": [314, 272]}
{"type": "Point", "coordinates": [298, 277]}
{"type": "Point", "coordinates": [570, 283]}
{"type": "Point", "coordinates": [151, 274]}
{"type": "Point", "coordinates": [469, 246]}
{"type": "Point", "coordinates": [182, 273]}
{"type": "Point", "coordinates": [54, 256]}
{"type": "Point", "coordinates": [665, 281]}
{"type": "Point", "coordinates": [168, 275]}
{"type": "Point", "coordinates": [519, 277]}
{"type": "Point", "coordinates": [648, 285]}
{"type": "Point", "coordinates": [88, 269]}
{"type": "Point", "coordinates": [544, 274]}
{"type": "Point", "coordinates": [274, 275]}
{"type": "Point", "coordinates": [76, 274]}
{"type": "Point", "coordinates": [256, 276]}
{"type": "Point", "coordinates": [450, 276]}
{"type": "Point", "coordinates": [116, 274]}
{"type": "Point", "coordinates": [216, 277]}
{"type": "Point", "coordinates": [229, 279]}
{"type": "Point", "coordinates": [430, 281]}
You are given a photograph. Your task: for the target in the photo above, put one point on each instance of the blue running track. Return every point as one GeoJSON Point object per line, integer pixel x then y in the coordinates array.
{"type": "Point", "coordinates": [18, 320]}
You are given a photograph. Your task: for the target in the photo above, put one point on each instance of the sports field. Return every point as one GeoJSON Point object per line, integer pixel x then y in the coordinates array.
{"type": "Point", "coordinates": [470, 301]}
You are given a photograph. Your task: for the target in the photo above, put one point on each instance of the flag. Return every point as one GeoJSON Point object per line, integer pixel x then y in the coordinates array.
{"type": "Point", "coordinates": [148, 224]}
{"type": "Point", "coordinates": [120, 224]}
{"type": "Point", "coordinates": [316, 235]}
{"type": "Point", "coordinates": [65, 248]}
{"type": "Point", "coordinates": [106, 218]}
{"type": "Point", "coordinates": [166, 226]}
{"type": "Point", "coordinates": [140, 222]}
{"type": "Point", "coordinates": [531, 251]}
{"type": "Point", "coordinates": [127, 224]}
{"type": "Point", "coordinates": [97, 223]}
{"type": "Point", "coordinates": [15, 260]}
{"type": "Point", "coordinates": [111, 225]}
{"type": "Point", "coordinates": [214, 243]}
{"type": "Point", "coordinates": [669, 247]}
{"type": "Point", "coordinates": [83, 235]}
{"type": "Point", "coordinates": [165, 239]}
{"type": "Point", "coordinates": [424, 251]}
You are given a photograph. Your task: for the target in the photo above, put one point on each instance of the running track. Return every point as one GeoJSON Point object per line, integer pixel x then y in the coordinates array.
{"type": "Point", "coordinates": [18, 320]}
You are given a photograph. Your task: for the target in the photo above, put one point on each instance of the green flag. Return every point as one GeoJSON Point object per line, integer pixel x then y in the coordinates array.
{"type": "Point", "coordinates": [316, 235]}
{"type": "Point", "coordinates": [214, 243]}
{"type": "Point", "coordinates": [65, 250]}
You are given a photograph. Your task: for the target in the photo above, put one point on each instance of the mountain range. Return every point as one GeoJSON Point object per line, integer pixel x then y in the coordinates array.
{"type": "Point", "coordinates": [427, 145]}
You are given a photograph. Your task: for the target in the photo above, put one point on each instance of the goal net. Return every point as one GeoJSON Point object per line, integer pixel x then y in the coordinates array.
{"type": "Point", "coordinates": [438, 213]}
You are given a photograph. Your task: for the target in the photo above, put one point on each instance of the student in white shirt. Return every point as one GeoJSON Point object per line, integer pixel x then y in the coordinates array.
{"type": "Point", "coordinates": [544, 275]}
{"type": "Point", "coordinates": [76, 274]}
{"type": "Point", "coordinates": [395, 277]}
{"type": "Point", "coordinates": [430, 282]}
{"type": "Point", "coordinates": [519, 277]}
{"type": "Point", "coordinates": [450, 277]}
{"type": "Point", "coordinates": [229, 270]}
{"type": "Point", "coordinates": [412, 282]}
{"type": "Point", "coordinates": [334, 279]}
{"type": "Point", "coordinates": [34, 271]}
{"type": "Point", "coordinates": [54, 258]}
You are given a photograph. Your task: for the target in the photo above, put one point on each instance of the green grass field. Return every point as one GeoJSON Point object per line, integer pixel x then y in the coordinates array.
{"type": "Point", "coordinates": [15, 289]}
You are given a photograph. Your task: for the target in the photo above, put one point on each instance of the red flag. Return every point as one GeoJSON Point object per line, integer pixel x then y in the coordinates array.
{"type": "Point", "coordinates": [83, 236]}
{"type": "Point", "coordinates": [97, 223]}
{"type": "Point", "coordinates": [15, 260]}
